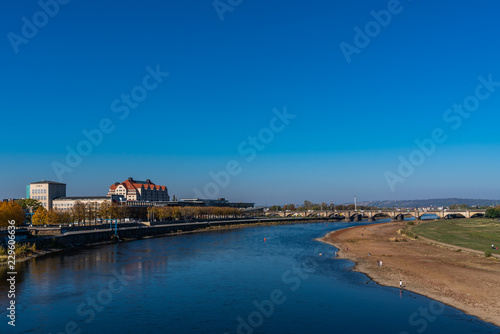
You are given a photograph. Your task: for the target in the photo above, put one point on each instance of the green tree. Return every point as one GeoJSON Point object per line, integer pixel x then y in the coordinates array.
{"type": "Point", "coordinates": [29, 204]}
{"type": "Point", "coordinates": [492, 213]}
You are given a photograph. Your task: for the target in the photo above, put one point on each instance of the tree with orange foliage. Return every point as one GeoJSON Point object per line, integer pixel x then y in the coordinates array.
{"type": "Point", "coordinates": [11, 211]}
{"type": "Point", "coordinates": [40, 216]}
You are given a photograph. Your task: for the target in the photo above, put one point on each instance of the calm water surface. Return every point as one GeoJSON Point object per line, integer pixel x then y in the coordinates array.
{"type": "Point", "coordinates": [254, 280]}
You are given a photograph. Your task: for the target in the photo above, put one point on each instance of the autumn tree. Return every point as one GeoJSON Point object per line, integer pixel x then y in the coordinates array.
{"type": "Point", "coordinates": [65, 217]}
{"type": "Point", "coordinates": [92, 211]}
{"type": "Point", "coordinates": [11, 211]}
{"type": "Point", "coordinates": [53, 217]}
{"type": "Point", "coordinates": [79, 212]}
{"type": "Point", "coordinates": [40, 216]}
{"type": "Point", "coordinates": [105, 210]}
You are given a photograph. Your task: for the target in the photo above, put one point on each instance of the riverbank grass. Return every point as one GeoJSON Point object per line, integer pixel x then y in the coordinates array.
{"type": "Point", "coordinates": [475, 233]}
{"type": "Point", "coordinates": [22, 251]}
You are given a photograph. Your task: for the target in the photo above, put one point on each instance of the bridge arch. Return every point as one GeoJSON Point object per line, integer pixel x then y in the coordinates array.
{"type": "Point", "coordinates": [454, 216]}
{"type": "Point", "coordinates": [380, 215]}
{"type": "Point", "coordinates": [403, 215]}
{"type": "Point", "coordinates": [336, 216]}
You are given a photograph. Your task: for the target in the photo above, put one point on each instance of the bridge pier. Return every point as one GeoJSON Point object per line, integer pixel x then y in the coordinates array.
{"type": "Point", "coordinates": [398, 218]}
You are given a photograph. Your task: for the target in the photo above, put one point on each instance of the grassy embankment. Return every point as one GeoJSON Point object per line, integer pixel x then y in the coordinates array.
{"type": "Point", "coordinates": [475, 233]}
{"type": "Point", "coordinates": [22, 252]}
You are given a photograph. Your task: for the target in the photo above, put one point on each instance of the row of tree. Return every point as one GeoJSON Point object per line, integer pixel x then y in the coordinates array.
{"type": "Point", "coordinates": [91, 212]}
{"type": "Point", "coordinates": [192, 212]}
{"type": "Point", "coordinates": [80, 212]}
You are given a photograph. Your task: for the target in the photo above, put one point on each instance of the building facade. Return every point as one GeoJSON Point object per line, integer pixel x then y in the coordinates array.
{"type": "Point", "coordinates": [46, 192]}
{"type": "Point", "coordinates": [67, 203]}
{"type": "Point", "coordinates": [134, 190]}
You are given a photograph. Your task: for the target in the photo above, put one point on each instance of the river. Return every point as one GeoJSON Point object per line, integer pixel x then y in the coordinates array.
{"type": "Point", "coordinates": [269, 279]}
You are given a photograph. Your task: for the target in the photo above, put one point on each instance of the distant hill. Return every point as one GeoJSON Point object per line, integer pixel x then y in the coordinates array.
{"type": "Point", "coordinates": [436, 202]}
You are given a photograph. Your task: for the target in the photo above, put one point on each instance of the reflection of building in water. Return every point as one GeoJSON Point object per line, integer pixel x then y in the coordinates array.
{"type": "Point", "coordinates": [145, 268]}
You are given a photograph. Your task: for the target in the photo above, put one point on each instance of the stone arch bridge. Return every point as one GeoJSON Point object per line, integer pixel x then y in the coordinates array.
{"type": "Point", "coordinates": [352, 215]}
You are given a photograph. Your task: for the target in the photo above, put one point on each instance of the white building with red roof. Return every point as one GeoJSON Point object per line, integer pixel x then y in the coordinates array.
{"type": "Point", "coordinates": [133, 190]}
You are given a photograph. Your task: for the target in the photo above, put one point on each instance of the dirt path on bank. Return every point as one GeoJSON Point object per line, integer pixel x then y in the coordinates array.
{"type": "Point", "coordinates": [465, 280]}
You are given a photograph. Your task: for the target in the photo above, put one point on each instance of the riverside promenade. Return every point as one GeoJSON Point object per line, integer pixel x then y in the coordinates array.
{"type": "Point", "coordinates": [103, 233]}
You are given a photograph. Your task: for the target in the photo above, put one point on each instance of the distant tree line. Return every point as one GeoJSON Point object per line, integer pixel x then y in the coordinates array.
{"type": "Point", "coordinates": [308, 205]}
{"type": "Point", "coordinates": [458, 207]}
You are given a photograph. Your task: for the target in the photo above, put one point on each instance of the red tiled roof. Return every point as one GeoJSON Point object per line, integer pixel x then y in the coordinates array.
{"type": "Point", "coordinates": [135, 186]}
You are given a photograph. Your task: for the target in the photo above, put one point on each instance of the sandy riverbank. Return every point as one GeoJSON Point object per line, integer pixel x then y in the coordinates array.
{"type": "Point", "coordinates": [465, 280]}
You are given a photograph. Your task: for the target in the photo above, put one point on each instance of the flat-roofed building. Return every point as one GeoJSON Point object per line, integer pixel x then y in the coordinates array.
{"type": "Point", "coordinates": [134, 190]}
{"type": "Point", "coordinates": [46, 191]}
{"type": "Point", "coordinates": [220, 202]}
{"type": "Point", "coordinates": [67, 203]}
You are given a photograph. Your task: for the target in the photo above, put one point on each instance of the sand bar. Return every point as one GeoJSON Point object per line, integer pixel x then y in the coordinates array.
{"type": "Point", "coordinates": [465, 280]}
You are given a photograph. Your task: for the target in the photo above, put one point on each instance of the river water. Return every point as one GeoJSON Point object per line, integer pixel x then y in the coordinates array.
{"type": "Point", "coordinates": [271, 279]}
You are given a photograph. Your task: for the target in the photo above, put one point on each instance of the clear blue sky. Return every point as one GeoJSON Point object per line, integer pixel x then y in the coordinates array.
{"type": "Point", "coordinates": [352, 120]}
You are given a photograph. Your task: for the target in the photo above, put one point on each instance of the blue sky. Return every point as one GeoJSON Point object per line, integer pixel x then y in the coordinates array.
{"type": "Point", "coordinates": [351, 120]}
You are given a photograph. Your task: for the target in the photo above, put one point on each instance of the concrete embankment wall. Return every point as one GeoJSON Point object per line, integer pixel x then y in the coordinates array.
{"type": "Point", "coordinates": [81, 238]}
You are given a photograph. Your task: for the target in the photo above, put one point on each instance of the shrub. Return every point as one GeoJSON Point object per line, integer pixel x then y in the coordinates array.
{"type": "Point", "coordinates": [25, 250]}
{"type": "Point", "coordinates": [487, 253]}
{"type": "Point", "coordinates": [409, 233]}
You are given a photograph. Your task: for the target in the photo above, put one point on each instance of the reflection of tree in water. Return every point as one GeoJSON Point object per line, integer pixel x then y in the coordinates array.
{"type": "Point", "coordinates": [67, 271]}
{"type": "Point", "coordinates": [4, 285]}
